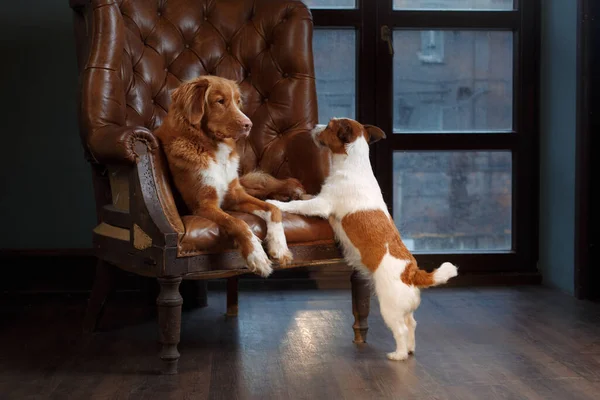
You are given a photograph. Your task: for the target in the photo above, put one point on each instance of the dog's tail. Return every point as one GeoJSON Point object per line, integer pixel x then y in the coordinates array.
{"type": "Point", "coordinates": [423, 279]}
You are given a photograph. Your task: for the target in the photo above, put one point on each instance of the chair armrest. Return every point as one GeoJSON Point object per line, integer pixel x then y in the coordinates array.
{"type": "Point", "coordinates": [152, 204]}
{"type": "Point", "coordinates": [307, 162]}
{"type": "Point", "coordinates": [115, 145]}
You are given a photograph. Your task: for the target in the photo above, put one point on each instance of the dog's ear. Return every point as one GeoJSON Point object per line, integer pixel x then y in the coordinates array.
{"type": "Point", "coordinates": [345, 132]}
{"type": "Point", "coordinates": [374, 133]}
{"type": "Point", "coordinates": [189, 99]}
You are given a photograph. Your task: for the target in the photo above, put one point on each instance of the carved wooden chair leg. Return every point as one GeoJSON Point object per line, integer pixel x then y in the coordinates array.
{"type": "Point", "coordinates": [103, 286]}
{"type": "Point", "coordinates": [232, 296]}
{"type": "Point", "coordinates": [169, 303]}
{"type": "Point", "coordinates": [361, 303]}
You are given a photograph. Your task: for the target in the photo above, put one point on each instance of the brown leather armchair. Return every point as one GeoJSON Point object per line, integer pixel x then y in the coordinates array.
{"type": "Point", "coordinates": [131, 55]}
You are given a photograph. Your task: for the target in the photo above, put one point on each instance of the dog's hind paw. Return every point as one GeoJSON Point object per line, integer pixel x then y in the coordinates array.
{"type": "Point", "coordinates": [397, 356]}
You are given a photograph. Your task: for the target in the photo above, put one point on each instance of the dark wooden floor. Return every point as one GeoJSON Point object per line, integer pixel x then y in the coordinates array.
{"type": "Point", "coordinates": [518, 343]}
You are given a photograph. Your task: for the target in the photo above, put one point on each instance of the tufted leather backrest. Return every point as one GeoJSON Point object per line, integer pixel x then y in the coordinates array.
{"type": "Point", "coordinates": [140, 50]}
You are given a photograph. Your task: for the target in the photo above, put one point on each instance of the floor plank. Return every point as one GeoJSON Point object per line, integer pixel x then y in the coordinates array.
{"type": "Point", "coordinates": [487, 343]}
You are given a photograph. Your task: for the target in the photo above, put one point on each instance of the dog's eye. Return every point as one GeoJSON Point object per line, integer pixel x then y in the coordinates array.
{"type": "Point", "coordinates": [221, 101]}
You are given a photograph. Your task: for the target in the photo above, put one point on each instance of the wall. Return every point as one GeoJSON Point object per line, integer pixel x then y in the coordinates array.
{"type": "Point", "coordinates": [557, 142]}
{"type": "Point", "coordinates": [46, 198]}
{"type": "Point", "coordinates": [45, 188]}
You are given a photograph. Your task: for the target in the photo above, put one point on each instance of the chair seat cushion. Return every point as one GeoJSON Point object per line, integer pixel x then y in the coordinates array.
{"type": "Point", "coordinates": [204, 236]}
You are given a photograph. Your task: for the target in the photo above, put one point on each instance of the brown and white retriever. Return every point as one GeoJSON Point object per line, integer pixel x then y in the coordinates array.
{"type": "Point", "coordinates": [199, 137]}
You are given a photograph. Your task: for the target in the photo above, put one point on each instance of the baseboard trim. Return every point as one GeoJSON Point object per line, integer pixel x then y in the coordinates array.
{"type": "Point", "coordinates": [30, 253]}
{"type": "Point", "coordinates": [342, 281]}
{"type": "Point", "coordinates": [71, 271]}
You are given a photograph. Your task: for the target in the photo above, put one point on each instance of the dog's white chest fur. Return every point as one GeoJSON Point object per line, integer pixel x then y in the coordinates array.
{"type": "Point", "coordinates": [222, 171]}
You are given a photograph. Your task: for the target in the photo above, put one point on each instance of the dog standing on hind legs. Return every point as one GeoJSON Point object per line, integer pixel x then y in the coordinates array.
{"type": "Point", "coordinates": [352, 201]}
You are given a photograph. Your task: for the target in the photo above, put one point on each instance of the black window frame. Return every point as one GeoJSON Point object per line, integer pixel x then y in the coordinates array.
{"type": "Point", "coordinates": [374, 106]}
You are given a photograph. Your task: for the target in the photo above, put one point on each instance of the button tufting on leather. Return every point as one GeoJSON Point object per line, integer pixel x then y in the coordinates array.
{"type": "Point", "coordinates": [231, 44]}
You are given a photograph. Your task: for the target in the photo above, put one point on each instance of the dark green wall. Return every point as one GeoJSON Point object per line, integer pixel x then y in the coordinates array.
{"type": "Point", "coordinates": [557, 142]}
{"type": "Point", "coordinates": [46, 198]}
{"type": "Point", "coordinates": [46, 195]}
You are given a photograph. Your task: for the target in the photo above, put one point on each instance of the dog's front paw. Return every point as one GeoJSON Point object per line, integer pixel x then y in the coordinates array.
{"type": "Point", "coordinates": [258, 261]}
{"type": "Point", "coordinates": [276, 203]}
{"type": "Point", "coordinates": [282, 255]}
{"type": "Point", "coordinates": [277, 245]}
{"type": "Point", "coordinates": [397, 356]}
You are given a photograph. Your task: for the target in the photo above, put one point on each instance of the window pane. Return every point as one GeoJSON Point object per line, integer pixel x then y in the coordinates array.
{"type": "Point", "coordinates": [453, 4]}
{"type": "Point", "coordinates": [448, 201]}
{"type": "Point", "coordinates": [335, 69]}
{"type": "Point", "coordinates": [453, 81]}
{"type": "Point", "coordinates": [330, 3]}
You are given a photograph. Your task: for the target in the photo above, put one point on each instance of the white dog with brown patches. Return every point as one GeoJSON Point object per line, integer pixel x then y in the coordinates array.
{"type": "Point", "coordinates": [352, 201]}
